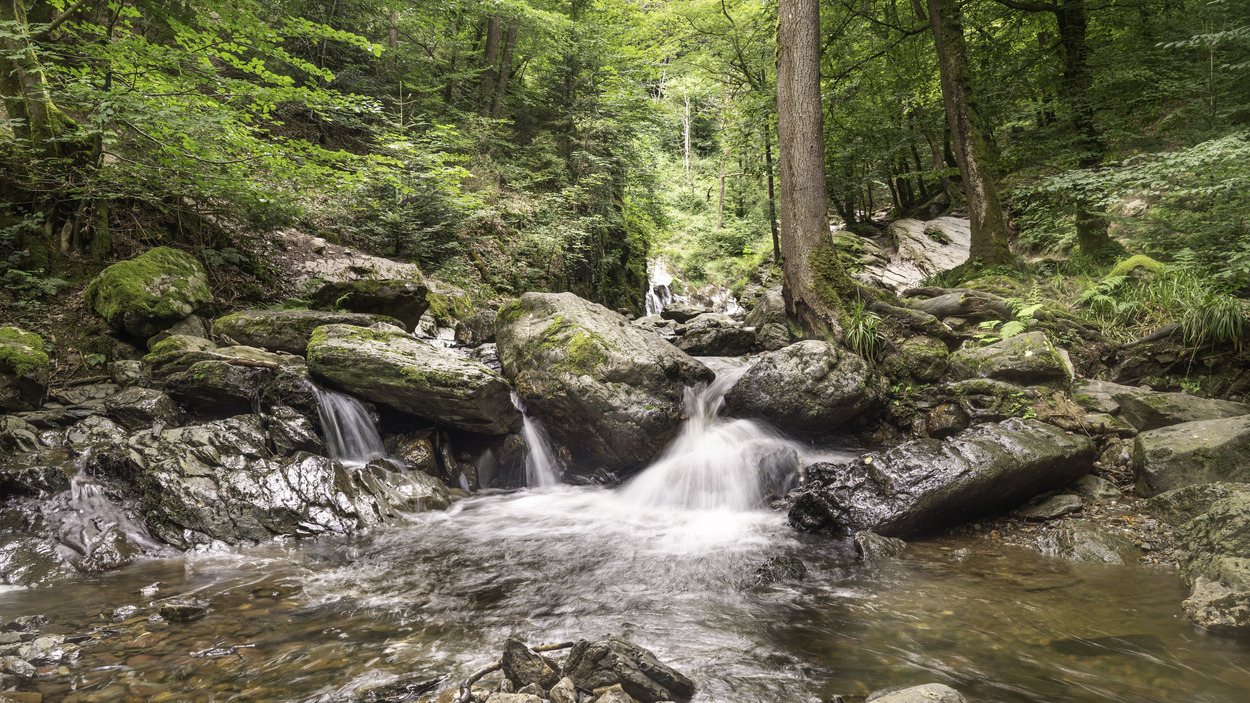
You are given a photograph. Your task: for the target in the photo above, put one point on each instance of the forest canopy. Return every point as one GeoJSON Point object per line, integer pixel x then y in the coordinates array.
{"type": "Point", "coordinates": [513, 145]}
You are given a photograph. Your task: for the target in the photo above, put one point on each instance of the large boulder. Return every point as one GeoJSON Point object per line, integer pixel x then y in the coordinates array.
{"type": "Point", "coordinates": [1213, 550]}
{"type": "Point", "coordinates": [23, 370]}
{"type": "Point", "coordinates": [807, 388]}
{"type": "Point", "coordinates": [221, 481]}
{"type": "Point", "coordinates": [1025, 359]}
{"type": "Point", "coordinates": [928, 484]}
{"type": "Point", "coordinates": [403, 300]}
{"type": "Point", "coordinates": [768, 318]}
{"type": "Point", "coordinates": [609, 392]}
{"type": "Point", "coordinates": [713, 334]}
{"type": "Point", "coordinates": [921, 250]}
{"type": "Point", "coordinates": [288, 330]}
{"type": "Point", "coordinates": [1192, 453]}
{"type": "Point", "coordinates": [615, 661]}
{"type": "Point", "coordinates": [150, 292]}
{"type": "Point", "coordinates": [1152, 410]}
{"type": "Point", "coordinates": [136, 408]}
{"type": "Point", "coordinates": [413, 376]}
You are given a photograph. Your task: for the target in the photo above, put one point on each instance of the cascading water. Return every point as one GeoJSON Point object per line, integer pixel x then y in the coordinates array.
{"type": "Point", "coordinates": [543, 468]}
{"type": "Point", "coordinates": [350, 433]}
{"type": "Point", "coordinates": [717, 463]}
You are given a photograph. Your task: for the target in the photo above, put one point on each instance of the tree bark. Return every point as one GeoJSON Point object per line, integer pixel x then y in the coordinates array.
{"type": "Point", "coordinates": [815, 284]}
{"type": "Point", "coordinates": [490, 57]}
{"type": "Point", "coordinates": [505, 67]}
{"type": "Point", "coordinates": [989, 245]}
{"type": "Point", "coordinates": [772, 196]}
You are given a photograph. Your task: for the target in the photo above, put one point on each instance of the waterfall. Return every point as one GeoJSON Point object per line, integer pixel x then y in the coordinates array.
{"type": "Point", "coordinates": [543, 468]}
{"type": "Point", "coordinates": [716, 462]}
{"type": "Point", "coordinates": [350, 433]}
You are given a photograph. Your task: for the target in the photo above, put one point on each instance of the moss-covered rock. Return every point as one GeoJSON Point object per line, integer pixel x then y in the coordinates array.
{"type": "Point", "coordinates": [1192, 453]}
{"type": "Point", "coordinates": [1212, 551]}
{"type": "Point", "coordinates": [1027, 359]}
{"type": "Point", "coordinates": [921, 359]}
{"type": "Point", "coordinates": [289, 330]}
{"type": "Point", "coordinates": [403, 300]}
{"type": "Point", "coordinates": [1133, 263]}
{"type": "Point", "coordinates": [23, 369]}
{"type": "Point", "coordinates": [398, 370]}
{"type": "Point", "coordinates": [150, 292]}
{"type": "Point", "coordinates": [609, 392]}
{"type": "Point", "coordinates": [808, 388]}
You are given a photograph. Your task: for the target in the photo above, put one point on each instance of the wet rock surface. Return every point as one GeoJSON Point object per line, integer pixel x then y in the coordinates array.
{"type": "Point", "coordinates": [1192, 453]}
{"type": "Point", "coordinates": [404, 300]}
{"type": "Point", "coordinates": [808, 388]}
{"type": "Point", "coordinates": [609, 392]}
{"type": "Point", "coordinates": [1026, 359]}
{"type": "Point", "coordinates": [924, 485]}
{"type": "Point", "coordinates": [411, 375]}
{"type": "Point", "coordinates": [288, 330]}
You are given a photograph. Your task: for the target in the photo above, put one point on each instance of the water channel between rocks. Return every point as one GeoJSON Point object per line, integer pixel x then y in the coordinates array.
{"type": "Point", "coordinates": [656, 561]}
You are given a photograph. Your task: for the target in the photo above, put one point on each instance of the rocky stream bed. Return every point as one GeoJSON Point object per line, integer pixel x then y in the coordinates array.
{"type": "Point", "coordinates": [373, 503]}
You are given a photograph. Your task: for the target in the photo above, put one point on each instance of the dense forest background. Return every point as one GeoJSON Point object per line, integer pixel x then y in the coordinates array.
{"type": "Point", "coordinates": [514, 145]}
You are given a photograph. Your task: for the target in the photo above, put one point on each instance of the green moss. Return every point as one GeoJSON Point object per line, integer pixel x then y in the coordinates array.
{"type": "Point", "coordinates": [22, 352]}
{"type": "Point", "coordinates": [510, 313]}
{"type": "Point", "coordinates": [1127, 266]}
{"type": "Point", "coordinates": [446, 309]}
{"type": "Point", "coordinates": [127, 287]}
{"type": "Point", "coordinates": [586, 353]}
{"type": "Point", "coordinates": [829, 280]}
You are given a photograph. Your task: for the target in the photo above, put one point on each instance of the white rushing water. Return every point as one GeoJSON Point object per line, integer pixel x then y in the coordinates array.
{"type": "Point", "coordinates": [350, 433]}
{"type": "Point", "coordinates": [717, 463]}
{"type": "Point", "coordinates": [543, 469]}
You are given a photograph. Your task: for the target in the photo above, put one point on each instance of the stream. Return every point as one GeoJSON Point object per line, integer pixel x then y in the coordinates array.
{"type": "Point", "coordinates": [669, 560]}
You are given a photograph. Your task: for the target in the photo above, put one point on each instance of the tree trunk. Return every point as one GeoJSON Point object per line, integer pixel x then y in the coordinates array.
{"type": "Point", "coordinates": [989, 246]}
{"type": "Point", "coordinates": [816, 285]}
{"type": "Point", "coordinates": [490, 58]}
{"type": "Point", "coordinates": [505, 67]}
{"type": "Point", "coordinates": [772, 196]}
{"type": "Point", "coordinates": [1091, 227]}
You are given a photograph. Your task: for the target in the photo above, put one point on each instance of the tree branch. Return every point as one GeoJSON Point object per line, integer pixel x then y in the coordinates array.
{"type": "Point", "coordinates": [56, 23]}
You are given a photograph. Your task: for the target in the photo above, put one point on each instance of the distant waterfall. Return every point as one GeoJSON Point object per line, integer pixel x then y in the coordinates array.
{"type": "Point", "coordinates": [543, 468]}
{"type": "Point", "coordinates": [350, 433]}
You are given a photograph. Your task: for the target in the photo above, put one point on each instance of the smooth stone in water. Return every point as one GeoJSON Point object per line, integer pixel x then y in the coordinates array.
{"type": "Point", "coordinates": [614, 660]}
{"type": "Point", "coordinates": [873, 547]}
{"type": "Point", "coordinates": [523, 666]}
{"type": "Point", "coordinates": [928, 693]}
{"type": "Point", "coordinates": [1050, 508]}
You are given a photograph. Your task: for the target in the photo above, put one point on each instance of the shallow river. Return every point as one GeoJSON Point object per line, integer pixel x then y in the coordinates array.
{"type": "Point", "coordinates": [439, 595]}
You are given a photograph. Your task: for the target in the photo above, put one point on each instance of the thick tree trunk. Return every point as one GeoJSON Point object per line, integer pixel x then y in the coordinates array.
{"type": "Point", "coordinates": [505, 68]}
{"type": "Point", "coordinates": [989, 246]}
{"type": "Point", "coordinates": [772, 196]}
{"type": "Point", "coordinates": [25, 86]}
{"type": "Point", "coordinates": [1091, 227]}
{"type": "Point", "coordinates": [490, 58]}
{"type": "Point", "coordinates": [816, 285]}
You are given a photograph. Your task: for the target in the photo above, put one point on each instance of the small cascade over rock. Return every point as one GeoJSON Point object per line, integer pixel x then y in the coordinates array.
{"type": "Point", "coordinates": [543, 468]}
{"type": "Point", "coordinates": [94, 531]}
{"type": "Point", "coordinates": [717, 463]}
{"type": "Point", "coordinates": [350, 433]}
{"type": "Point", "coordinates": [660, 293]}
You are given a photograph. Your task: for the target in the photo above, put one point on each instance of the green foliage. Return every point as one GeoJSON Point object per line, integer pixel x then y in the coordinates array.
{"type": "Point", "coordinates": [1203, 308]}
{"type": "Point", "coordinates": [864, 332]}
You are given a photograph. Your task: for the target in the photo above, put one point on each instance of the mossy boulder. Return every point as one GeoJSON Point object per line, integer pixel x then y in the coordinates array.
{"type": "Point", "coordinates": [1025, 359]}
{"type": "Point", "coordinates": [808, 388]}
{"type": "Point", "coordinates": [1139, 265]}
{"type": "Point", "coordinates": [289, 330]}
{"type": "Point", "coordinates": [1212, 551]}
{"type": "Point", "coordinates": [23, 370]}
{"type": "Point", "coordinates": [1150, 411]}
{"type": "Point", "coordinates": [398, 370]}
{"type": "Point", "coordinates": [149, 293]}
{"type": "Point", "coordinates": [609, 392]}
{"type": "Point", "coordinates": [768, 317]}
{"type": "Point", "coordinates": [920, 359]}
{"type": "Point", "coordinates": [448, 304]}
{"type": "Point", "coordinates": [403, 300]}
{"type": "Point", "coordinates": [1192, 453]}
